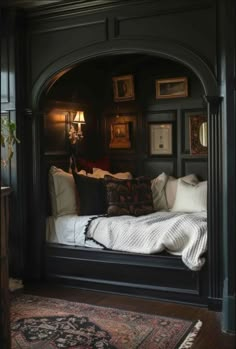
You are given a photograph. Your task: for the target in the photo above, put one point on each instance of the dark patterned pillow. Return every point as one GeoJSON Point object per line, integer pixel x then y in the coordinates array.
{"type": "Point", "coordinates": [92, 194]}
{"type": "Point", "coordinates": [128, 196]}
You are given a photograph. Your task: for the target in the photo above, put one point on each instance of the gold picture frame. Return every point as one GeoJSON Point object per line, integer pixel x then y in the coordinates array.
{"type": "Point", "coordinates": [161, 142]}
{"type": "Point", "coordinates": [198, 134]}
{"type": "Point", "coordinates": [123, 88]}
{"type": "Point", "coordinates": [120, 136]}
{"type": "Point", "coordinates": [172, 88]}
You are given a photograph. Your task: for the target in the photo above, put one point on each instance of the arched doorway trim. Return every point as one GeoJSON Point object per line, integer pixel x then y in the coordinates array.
{"type": "Point", "coordinates": [159, 48]}
{"type": "Point", "coordinates": [171, 51]}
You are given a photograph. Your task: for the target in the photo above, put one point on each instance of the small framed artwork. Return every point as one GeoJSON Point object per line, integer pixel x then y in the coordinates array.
{"type": "Point", "coordinates": [120, 136]}
{"type": "Point", "coordinates": [161, 139]}
{"type": "Point", "coordinates": [198, 134]}
{"type": "Point", "coordinates": [123, 88]}
{"type": "Point", "coordinates": [172, 88]}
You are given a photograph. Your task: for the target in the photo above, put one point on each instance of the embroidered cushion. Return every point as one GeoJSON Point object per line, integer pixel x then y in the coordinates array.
{"type": "Point", "coordinates": [128, 196]}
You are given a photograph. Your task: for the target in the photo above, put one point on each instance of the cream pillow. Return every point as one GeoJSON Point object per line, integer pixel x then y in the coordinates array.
{"type": "Point", "coordinates": [99, 173]}
{"type": "Point", "coordinates": [171, 187]}
{"type": "Point", "coordinates": [158, 192]}
{"type": "Point", "coordinates": [62, 192]}
{"type": "Point", "coordinates": [190, 198]}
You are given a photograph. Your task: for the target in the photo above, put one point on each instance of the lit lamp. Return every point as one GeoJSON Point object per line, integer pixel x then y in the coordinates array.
{"type": "Point", "coordinates": [74, 134]}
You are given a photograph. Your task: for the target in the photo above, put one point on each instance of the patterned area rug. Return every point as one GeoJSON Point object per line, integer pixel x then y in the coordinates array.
{"type": "Point", "coordinates": [47, 323]}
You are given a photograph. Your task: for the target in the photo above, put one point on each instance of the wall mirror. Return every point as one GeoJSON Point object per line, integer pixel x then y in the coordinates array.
{"type": "Point", "coordinates": [198, 134]}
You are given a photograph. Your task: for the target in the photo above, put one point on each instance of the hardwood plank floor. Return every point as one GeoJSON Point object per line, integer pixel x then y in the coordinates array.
{"type": "Point", "coordinates": [210, 336]}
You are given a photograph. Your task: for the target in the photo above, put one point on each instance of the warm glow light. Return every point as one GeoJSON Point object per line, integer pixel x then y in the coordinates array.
{"type": "Point", "coordinates": [79, 117]}
{"type": "Point", "coordinates": [77, 134]}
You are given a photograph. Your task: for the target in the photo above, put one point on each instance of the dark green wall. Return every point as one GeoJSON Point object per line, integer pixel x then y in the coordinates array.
{"type": "Point", "coordinates": [51, 39]}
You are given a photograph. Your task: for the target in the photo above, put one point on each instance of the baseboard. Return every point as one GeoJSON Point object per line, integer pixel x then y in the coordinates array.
{"type": "Point", "coordinates": [214, 304]}
{"type": "Point", "coordinates": [228, 314]}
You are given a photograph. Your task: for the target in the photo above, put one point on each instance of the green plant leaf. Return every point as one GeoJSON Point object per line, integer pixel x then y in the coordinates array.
{"type": "Point", "coordinates": [8, 137]}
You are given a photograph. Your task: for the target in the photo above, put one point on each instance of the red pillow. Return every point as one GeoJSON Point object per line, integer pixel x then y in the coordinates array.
{"type": "Point", "coordinates": [87, 165]}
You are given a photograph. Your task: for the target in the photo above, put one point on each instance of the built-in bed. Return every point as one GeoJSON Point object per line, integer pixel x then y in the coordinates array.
{"type": "Point", "coordinates": [159, 255]}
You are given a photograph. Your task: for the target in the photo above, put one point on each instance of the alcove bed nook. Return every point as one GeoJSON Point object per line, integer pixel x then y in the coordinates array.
{"type": "Point", "coordinates": [89, 85]}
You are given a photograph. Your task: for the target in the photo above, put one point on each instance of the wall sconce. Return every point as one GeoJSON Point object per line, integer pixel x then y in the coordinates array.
{"type": "Point", "coordinates": [77, 134]}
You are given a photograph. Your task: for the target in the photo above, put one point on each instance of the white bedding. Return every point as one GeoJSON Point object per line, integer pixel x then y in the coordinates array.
{"type": "Point", "coordinates": [69, 230]}
{"type": "Point", "coordinates": [183, 234]}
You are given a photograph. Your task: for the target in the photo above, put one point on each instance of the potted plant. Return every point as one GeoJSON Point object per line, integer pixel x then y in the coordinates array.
{"type": "Point", "coordinates": [8, 139]}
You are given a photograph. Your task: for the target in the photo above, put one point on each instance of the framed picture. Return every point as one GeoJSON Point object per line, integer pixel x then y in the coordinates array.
{"type": "Point", "coordinates": [123, 88]}
{"type": "Point", "coordinates": [198, 134]}
{"type": "Point", "coordinates": [161, 139]}
{"type": "Point", "coordinates": [120, 136]}
{"type": "Point", "coordinates": [172, 88]}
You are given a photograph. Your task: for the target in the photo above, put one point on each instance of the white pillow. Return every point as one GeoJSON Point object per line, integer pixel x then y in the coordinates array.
{"type": "Point", "coordinates": [62, 191]}
{"type": "Point", "coordinates": [171, 187]}
{"type": "Point", "coordinates": [158, 192]}
{"type": "Point", "coordinates": [99, 173]}
{"type": "Point", "coordinates": [190, 198]}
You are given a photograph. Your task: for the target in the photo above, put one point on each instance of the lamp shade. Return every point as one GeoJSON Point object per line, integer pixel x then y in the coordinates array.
{"type": "Point", "coordinates": [79, 117]}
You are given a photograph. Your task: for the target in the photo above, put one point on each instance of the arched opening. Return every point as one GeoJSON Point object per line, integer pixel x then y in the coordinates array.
{"type": "Point", "coordinates": [139, 113]}
{"type": "Point", "coordinates": [91, 86]}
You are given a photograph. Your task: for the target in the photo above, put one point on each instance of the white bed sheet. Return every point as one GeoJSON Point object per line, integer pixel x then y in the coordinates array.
{"type": "Point", "coordinates": [183, 234]}
{"type": "Point", "coordinates": [69, 230]}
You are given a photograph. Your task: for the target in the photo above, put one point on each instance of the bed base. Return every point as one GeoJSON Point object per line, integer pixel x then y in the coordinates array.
{"type": "Point", "coordinates": [161, 276]}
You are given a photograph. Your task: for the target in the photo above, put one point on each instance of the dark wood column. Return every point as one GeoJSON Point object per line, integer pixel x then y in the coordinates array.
{"type": "Point", "coordinates": [37, 198]}
{"type": "Point", "coordinates": [5, 336]}
{"type": "Point", "coordinates": [214, 202]}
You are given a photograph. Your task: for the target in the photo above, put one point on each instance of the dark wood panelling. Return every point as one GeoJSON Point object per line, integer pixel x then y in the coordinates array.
{"type": "Point", "coordinates": [197, 165]}
{"type": "Point", "coordinates": [121, 164]}
{"type": "Point", "coordinates": [180, 20]}
{"type": "Point", "coordinates": [161, 115]}
{"type": "Point", "coordinates": [227, 21]}
{"type": "Point", "coordinates": [5, 333]}
{"type": "Point", "coordinates": [7, 62]}
{"type": "Point", "coordinates": [215, 197]}
{"type": "Point", "coordinates": [157, 276]}
{"type": "Point", "coordinates": [56, 131]}
{"type": "Point", "coordinates": [4, 71]}
{"type": "Point", "coordinates": [72, 36]}
{"type": "Point", "coordinates": [154, 168]}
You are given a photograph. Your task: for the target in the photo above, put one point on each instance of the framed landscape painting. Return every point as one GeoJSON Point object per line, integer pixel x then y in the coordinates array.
{"type": "Point", "coordinates": [172, 88]}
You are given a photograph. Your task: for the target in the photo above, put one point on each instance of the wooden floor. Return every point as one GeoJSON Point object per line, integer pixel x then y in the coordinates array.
{"type": "Point", "coordinates": [210, 336]}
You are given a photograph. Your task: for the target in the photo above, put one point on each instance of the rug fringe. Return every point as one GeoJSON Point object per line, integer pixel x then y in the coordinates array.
{"type": "Point", "coordinates": [188, 342]}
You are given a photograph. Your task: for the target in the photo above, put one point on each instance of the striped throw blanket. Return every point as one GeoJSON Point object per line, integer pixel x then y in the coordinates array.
{"type": "Point", "coordinates": [183, 234]}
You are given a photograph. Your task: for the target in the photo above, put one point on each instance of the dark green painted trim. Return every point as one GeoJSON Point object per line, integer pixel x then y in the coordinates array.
{"type": "Point", "coordinates": [228, 310]}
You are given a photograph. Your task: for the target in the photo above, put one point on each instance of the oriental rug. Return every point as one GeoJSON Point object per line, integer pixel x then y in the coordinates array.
{"type": "Point", "coordinates": [48, 323]}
